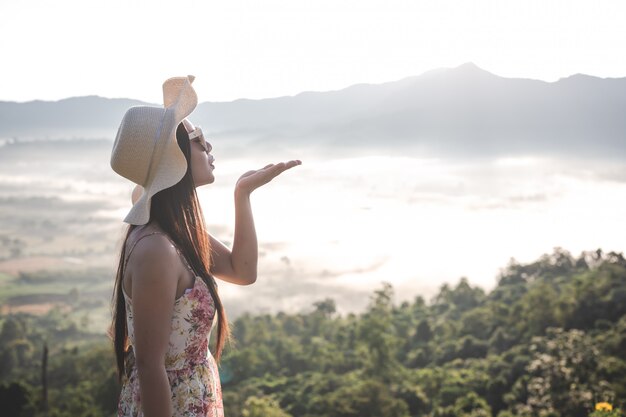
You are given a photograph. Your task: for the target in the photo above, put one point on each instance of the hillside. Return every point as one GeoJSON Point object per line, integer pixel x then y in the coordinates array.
{"type": "Point", "coordinates": [550, 339]}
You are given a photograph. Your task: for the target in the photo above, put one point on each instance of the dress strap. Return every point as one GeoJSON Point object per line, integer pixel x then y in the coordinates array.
{"type": "Point", "coordinates": [173, 244]}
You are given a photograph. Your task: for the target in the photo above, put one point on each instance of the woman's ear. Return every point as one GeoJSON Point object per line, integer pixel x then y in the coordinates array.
{"type": "Point", "coordinates": [137, 192]}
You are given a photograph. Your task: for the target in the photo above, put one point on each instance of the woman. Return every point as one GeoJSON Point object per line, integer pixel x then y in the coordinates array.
{"type": "Point", "coordinates": [165, 296]}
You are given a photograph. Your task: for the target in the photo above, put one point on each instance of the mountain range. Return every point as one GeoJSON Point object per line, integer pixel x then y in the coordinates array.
{"type": "Point", "coordinates": [461, 111]}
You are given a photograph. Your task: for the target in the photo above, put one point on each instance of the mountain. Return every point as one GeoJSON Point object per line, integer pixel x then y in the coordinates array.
{"type": "Point", "coordinates": [464, 111]}
{"type": "Point", "coordinates": [89, 116]}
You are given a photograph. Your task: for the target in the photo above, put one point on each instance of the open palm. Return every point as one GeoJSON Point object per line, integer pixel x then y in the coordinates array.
{"type": "Point", "coordinates": [253, 179]}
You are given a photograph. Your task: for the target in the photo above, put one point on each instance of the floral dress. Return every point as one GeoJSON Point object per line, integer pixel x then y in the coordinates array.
{"type": "Point", "coordinates": [191, 369]}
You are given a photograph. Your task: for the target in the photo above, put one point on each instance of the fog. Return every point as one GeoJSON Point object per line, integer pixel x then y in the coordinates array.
{"type": "Point", "coordinates": [332, 227]}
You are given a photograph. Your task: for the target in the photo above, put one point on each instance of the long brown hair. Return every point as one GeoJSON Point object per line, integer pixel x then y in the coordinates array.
{"type": "Point", "coordinates": [177, 212]}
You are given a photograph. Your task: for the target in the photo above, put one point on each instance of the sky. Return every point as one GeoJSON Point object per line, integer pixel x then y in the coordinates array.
{"type": "Point", "coordinates": [271, 48]}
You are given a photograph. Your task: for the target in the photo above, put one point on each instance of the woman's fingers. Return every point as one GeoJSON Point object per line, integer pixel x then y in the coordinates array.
{"type": "Point", "coordinates": [254, 179]}
{"type": "Point", "coordinates": [290, 164]}
{"type": "Point", "coordinates": [281, 167]}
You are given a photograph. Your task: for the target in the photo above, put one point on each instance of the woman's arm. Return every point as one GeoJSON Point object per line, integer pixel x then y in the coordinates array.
{"type": "Point", "coordinates": [240, 265]}
{"type": "Point", "coordinates": [154, 281]}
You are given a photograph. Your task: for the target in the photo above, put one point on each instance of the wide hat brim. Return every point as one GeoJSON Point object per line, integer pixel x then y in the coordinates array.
{"type": "Point", "coordinates": [146, 150]}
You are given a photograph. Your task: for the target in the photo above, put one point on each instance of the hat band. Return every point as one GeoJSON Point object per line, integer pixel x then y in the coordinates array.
{"type": "Point", "coordinates": [156, 138]}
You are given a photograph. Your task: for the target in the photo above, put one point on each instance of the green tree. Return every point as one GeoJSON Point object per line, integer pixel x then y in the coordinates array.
{"type": "Point", "coordinates": [263, 407]}
{"type": "Point", "coordinates": [17, 399]}
{"type": "Point", "coordinates": [378, 332]}
{"type": "Point", "coordinates": [561, 374]}
{"type": "Point", "coordinates": [367, 398]}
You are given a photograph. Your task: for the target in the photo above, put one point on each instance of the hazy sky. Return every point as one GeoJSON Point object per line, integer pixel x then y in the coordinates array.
{"type": "Point", "coordinates": [269, 48]}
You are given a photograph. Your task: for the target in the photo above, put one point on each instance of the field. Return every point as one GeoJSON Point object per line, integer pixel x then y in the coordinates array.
{"type": "Point", "coordinates": [57, 237]}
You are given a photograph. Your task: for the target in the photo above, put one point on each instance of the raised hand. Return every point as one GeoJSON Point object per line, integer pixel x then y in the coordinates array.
{"type": "Point", "coordinates": [253, 179]}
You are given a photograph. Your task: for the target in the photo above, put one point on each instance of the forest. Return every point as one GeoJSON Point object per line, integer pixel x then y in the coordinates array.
{"type": "Point", "coordinates": [549, 340]}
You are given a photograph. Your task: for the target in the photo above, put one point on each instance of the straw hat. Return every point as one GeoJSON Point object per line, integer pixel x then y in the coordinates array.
{"type": "Point", "coordinates": [145, 150]}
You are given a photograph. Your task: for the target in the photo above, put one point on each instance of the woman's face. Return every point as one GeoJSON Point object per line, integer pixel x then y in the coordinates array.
{"type": "Point", "coordinates": [201, 160]}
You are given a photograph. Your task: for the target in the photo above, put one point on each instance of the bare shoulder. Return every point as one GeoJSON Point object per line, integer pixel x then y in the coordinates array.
{"type": "Point", "coordinates": [153, 266]}
{"type": "Point", "coordinates": [153, 249]}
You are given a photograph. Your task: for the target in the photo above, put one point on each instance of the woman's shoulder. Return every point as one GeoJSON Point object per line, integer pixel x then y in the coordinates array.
{"type": "Point", "coordinates": [150, 245]}
{"type": "Point", "coordinates": [151, 266]}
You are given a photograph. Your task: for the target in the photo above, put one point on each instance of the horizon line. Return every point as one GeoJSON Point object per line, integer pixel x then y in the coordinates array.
{"type": "Point", "coordinates": [468, 64]}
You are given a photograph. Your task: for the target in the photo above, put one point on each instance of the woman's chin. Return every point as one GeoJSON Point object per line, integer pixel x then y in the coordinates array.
{"type": "Point", "coordinates": [206, 181]}
{"type": "Point", "coordinates": [210, 179]}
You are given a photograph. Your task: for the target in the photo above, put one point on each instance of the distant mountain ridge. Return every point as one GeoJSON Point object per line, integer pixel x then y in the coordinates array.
{"type": "Point", "coordinates": [462, 110]}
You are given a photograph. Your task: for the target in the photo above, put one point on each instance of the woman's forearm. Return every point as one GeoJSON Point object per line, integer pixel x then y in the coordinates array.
{"type": "Point", "coordinates": [245, 250]}
{"type": "Point", "coordinates": [155, 391]}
